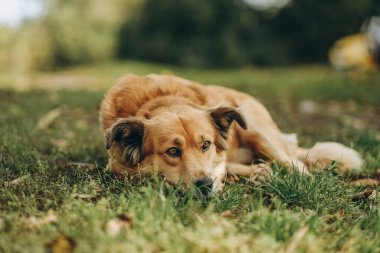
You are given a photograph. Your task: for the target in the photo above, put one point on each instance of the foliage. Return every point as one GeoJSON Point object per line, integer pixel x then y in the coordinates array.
{"type": "Point", "coordinates": [214, 33]}
{"type": "Point", "coordinates": [223, 33]}
{"type": "Point", "coordinates": [86, 30]}
{"type": "Point", "coordinates": [32, 48]}
{"type": "Point", "coordinates": [312, 26]}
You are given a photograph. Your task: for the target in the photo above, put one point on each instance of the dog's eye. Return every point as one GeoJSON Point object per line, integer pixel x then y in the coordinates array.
{"type": "Point", "coordinates": [173, 152]}
{"type": "Point", "coordinates": [206, 145]}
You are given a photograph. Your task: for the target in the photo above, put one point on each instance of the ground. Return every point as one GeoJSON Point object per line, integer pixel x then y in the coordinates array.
{"type": "Point", "coordinates": [57, 195]}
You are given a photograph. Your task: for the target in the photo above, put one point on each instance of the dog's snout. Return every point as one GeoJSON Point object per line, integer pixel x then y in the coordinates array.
{"type": "Point", "coordinates": [204, 183]}
{"type": "Point", "coordinates": [204, 186]}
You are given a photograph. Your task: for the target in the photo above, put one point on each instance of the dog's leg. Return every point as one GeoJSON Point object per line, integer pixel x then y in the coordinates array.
{"type": "Point", "coordinates": [266, 140]}
{"type": "Point", "coordinates": [270, 144]}
{"type": "Point", "coordinates": [257, 173]}
{"type": "Point", "coordinates": [322, 154]}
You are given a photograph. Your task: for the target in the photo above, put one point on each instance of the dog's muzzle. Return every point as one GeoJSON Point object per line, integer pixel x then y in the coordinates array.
{"type": "Point", "coordinates": [203, 187]}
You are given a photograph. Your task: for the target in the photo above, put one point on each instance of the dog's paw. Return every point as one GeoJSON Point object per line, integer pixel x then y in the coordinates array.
{"type": "Point", "coordinates": [261, 173]}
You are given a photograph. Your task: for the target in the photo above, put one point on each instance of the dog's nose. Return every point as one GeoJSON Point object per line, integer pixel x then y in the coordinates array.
{"type": "Point", "coordinates": [204, 186]}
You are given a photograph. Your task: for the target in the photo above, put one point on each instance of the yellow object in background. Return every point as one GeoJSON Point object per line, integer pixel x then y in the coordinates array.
{"type": "Point", "coordinates": [352, 53]}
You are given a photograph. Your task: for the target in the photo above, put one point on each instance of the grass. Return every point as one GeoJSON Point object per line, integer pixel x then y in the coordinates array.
{"type": "Point", "coordinates": [292, 213]}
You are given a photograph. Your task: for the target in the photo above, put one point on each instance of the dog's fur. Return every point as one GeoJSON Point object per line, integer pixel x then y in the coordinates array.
{"type": "Point", "coordinates": [187, 132]}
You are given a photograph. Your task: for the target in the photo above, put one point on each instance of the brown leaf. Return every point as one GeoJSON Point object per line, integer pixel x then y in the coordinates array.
{"type": "Point", "coordinates": [362, 195]}
{"type": "Point", "coordinates": [33, 222]}
{"type": "Point", "coordinates": [62, 244]}
{"type": "Point", "coordinates": [16, 181]}
{"type": "Point", "coordinates": [114, 226]}
{"type": "Point", "coordinates": [292, 246]}
{"type": "Point", "coordinates": [48, 119]}
{"type": "Point", "coordinates": [60, 143]}
{"type": "Point", "coordinates": [374, 194]}
{"type": "Point", "coordinates": [98, 189]}
{"type": "Point", "coordinates": [341, 213]}
{"type": "Point", "coordinates": [308, 107]}
{"type": "Point", "coordinates": [365, 181]}
{"type": "Point", "coordinates": [227, 214]}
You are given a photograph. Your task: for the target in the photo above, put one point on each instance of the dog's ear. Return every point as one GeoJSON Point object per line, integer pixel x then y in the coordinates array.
{"type": "Point", "coordinates": [128, 134]}
{"type": "Point", "coordinates": [222, 117]}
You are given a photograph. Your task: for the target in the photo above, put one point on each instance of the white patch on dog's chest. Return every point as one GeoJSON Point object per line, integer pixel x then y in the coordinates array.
{"type": "Point", "coordinates": [218, 175]}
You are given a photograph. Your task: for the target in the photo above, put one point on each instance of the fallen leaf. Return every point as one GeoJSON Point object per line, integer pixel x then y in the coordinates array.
{"type": "Point", "coordinates": [16, 181]}
{"type": "Point", "coordinates": [308, 107]}
{"type": "Point", "coordinates": [114, 226]}
{"type": "Point", "coordinates": [292, 246]}
{"type": "Point", "coordinates": [354, 122]}
{"type": "Point", "coordinates": [362, 195]}
{"type": "Point", "coordinates": [365, 181]}
{"type": "Point", "coordinates": [48, 119]}
{"type": "Point", "coordinates": [88, 166]}
{"type": "Point", "coordinates": [199, 218]}
{"type": "Point", "coordinates": [227, 214]}
{"type": "Point", "coordinates": [33, 221]}
{"type": "Point", "coordinates": [374, 194]}
{"type": "Point", "coordinates": [341, 213]}
{"type": "Point", "coordinates": [98, 189]}
{"type": "Point", "coordinates": [62, 244]}
{"type": "Point", "coordinates": [59, 143]}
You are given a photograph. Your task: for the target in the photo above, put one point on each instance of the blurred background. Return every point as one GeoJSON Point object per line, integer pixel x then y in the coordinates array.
{"type": "Point", "coordinates": [46, 35]}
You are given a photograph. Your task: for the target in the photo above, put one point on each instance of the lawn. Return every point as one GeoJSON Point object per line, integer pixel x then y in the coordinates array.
{"type": "Point", "coordinates": [57, 195]}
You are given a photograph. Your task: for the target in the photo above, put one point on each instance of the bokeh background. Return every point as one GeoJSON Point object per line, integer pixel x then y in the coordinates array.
{"type": "Point", "coordinates": [52, 34]}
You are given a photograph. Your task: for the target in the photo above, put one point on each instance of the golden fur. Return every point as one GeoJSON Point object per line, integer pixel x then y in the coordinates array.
{"type": "Point", "coordinates": [187, 132]}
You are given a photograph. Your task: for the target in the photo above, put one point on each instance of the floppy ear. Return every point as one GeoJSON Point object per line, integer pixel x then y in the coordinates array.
{"type": "Point", "coordinates": [128, 134]}
{"type": "Point", "coordinates": [222, 117]}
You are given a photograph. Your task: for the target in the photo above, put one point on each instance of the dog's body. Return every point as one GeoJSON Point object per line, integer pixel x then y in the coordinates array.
{"type": "Point", "coordinates": [188, 132]}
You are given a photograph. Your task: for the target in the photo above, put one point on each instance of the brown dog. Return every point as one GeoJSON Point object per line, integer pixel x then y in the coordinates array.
{"type": "Point", "coordinates": [194, 134]}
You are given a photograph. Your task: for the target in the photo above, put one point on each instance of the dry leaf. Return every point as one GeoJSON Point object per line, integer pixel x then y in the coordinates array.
{"type": "Point", "coordinates": [227, 214]}
{"type": "Point", "coordinates": [88, 166]}
{"type": "Point", "coordinates": [341, 213]}
{"type": "Point", "coordinates": [33, 221]}
{"type": "Point", "coordinates": [362, 195]}
{"type": "Point", "coordinates": [373, 195]}
{"type": "Point", "coordinates": [292, 246]}
{"type": "Point", "coordinates": [16, 181]}
{"type": "Point", "coordinates": [59, 143]}
{"type": "Point", "coordinates": [365, 181]}
{"type": "Point", "coordinates": [98, 189]}
{"type": "Point", "coordinates": [62, 244]}
{"type": "Point", "coordinates": [48, 119]}
{"type": "Point", "coordinates": [354, 122]}
{"type": "Point", "coordinates": [114, 226]}
{"type": "Point", "coordinates": [199, 218]}
{"type": "Point", "coordinates": [308, 107]}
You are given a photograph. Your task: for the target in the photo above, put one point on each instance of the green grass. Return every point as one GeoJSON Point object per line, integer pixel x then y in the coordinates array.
{"type": "Point", "coordinates": [243, 218]}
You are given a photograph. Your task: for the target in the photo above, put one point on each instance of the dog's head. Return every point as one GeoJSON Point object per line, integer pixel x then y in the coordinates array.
{"type": "Point", "coordinates": [184, 144]}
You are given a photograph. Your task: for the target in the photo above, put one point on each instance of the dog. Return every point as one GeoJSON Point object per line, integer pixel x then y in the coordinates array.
{"type": "Point", "coordinates": [195, 134]}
